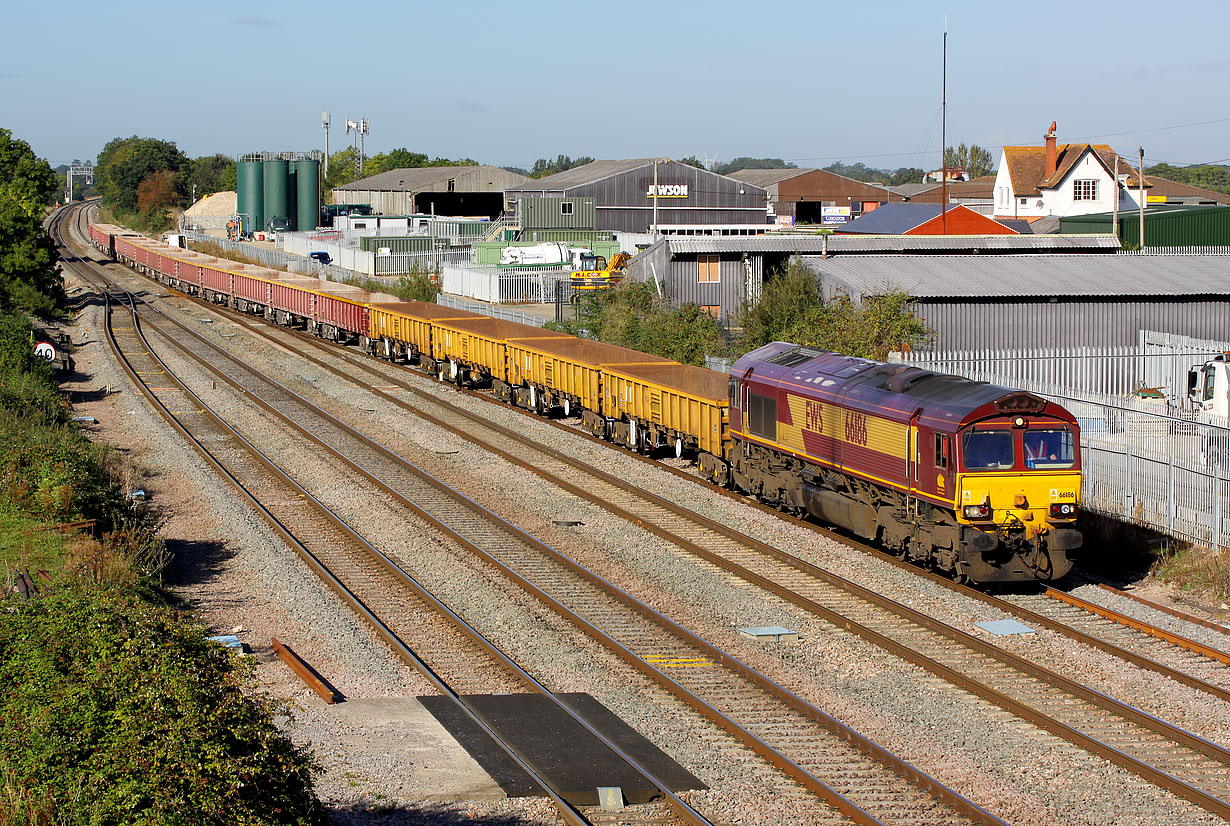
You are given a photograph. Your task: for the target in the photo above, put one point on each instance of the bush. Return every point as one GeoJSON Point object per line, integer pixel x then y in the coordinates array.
{"type": "Point", "coordinates": [634, 316]}
{"type": "Point", "coordinates": [118, 713]}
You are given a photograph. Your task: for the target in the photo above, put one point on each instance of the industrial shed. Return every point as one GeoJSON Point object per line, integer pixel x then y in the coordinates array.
{"type": "Point", "coordinates": [687, 198]}
{"type": "Point", "coordinates": [816, 196]}
{"type": "Point", "coordinates": [473, 191]}
{"type": "Point", "coordinates": [1029, 301]}
{"type": "Point", "coordinates": [1170, 225]}
{"type": "Point", "coordinates": [720, 274]}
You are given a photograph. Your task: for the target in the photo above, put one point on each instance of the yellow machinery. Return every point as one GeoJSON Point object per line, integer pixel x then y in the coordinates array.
{"type": "Point", "coordinates": [599, 274]}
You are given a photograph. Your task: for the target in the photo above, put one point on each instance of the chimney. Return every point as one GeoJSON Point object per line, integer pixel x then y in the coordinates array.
{"type": "Point", "coordinates": [1051, 161]}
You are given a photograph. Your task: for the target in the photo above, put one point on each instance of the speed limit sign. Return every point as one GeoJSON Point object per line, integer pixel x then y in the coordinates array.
{"type": "Point", "coordinates": [45, 350]}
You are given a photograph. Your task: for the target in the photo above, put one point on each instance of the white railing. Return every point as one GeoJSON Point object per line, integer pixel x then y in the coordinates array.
{"type": "Point", "coordinates": [1150, 461]}
{"type": "Point", "coordinates": [493, 310]}
{"type": "Point", "coordinates": [1190, 250]}
{"type": "Point", "coordinates": [523, 285]}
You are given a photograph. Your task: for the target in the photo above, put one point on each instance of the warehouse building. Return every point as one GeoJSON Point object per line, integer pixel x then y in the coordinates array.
{"type": "Point", "coordinates": [722, 274]}
{"type": "Point", "coordinates": [471, 191]}
{"type": "Point", "coordinates": [815, 196]}
{"type": "Point", "coordinates": [1034, 301]}
{"type": "Point", "coordinates": [629, 195]}
{"type": "Point", "coordinates": [1167, 225]}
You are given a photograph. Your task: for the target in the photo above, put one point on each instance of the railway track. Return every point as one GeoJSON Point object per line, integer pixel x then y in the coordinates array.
{"type": "Point", "coordinates": [864, 783]}
{"type": "Point", "coordinates": [1170, 757]}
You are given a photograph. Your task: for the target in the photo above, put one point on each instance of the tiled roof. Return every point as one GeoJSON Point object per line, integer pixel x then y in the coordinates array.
{"type": "Point", "coordinates": [1027, 165]}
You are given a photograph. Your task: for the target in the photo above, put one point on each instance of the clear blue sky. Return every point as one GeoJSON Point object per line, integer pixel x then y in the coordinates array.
{"type": "Point", "coordinates": [507, 83]}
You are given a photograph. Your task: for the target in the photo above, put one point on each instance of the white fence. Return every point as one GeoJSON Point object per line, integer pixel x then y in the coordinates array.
{"type": "Point", "coordinates": [495, 311]}
{"type": "Point", "coordinates": [276, 259]}
{"type": "Point", "coordinates": [1145, 460]}
{"type": "Point", "coordinates": [363, 262]}
{"type": "Point", "coordinates": [524, 285]}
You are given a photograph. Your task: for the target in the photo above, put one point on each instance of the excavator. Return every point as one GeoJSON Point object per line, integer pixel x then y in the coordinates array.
{"type": "Point", "coordinates": [597, 273]}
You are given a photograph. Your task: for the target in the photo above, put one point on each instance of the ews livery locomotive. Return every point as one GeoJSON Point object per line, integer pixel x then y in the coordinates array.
{"type": "Point", "coordinates": [980, 481]}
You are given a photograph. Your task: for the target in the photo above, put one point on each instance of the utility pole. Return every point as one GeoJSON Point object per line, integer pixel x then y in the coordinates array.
{"type": "Point", "coordinates": [324, 121]}
{"type": "Point", "coordinates": [1114, 210]}
{"type": "Point", "coordinates": [944, 133]}
{"type": "Point", "coordinates": [1142, 197]}
{"type": "Point", "coordinates": [655, 199]}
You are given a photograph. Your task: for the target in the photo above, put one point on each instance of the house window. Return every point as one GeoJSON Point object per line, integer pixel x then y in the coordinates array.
{"type": "Point", "coordinates": [565, 208]}
{"type": "Point", "coordinates": [1024, 201]}
{"type": "Point", "coordinates": [708, 269]}
{"type": "Point", "coordinates": [714, 310]}
{"type": "Point", "coordinates": [1085, 190]}
{"type": "Point", "coordinates": [942, 451]}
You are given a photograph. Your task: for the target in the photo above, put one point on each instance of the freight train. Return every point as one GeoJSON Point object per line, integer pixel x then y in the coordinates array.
{"type": "Point", "coordinates": [978, 481]}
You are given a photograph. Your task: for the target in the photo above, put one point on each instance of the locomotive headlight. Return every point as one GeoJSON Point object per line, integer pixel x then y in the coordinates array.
{"type": "Point", "coordinates": [1064, 510]}
{"type": "Point", "coordinates": [982, 511]}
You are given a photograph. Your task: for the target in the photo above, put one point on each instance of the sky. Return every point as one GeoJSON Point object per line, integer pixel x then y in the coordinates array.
{"type": "Point", "coordinates": [508, 83]}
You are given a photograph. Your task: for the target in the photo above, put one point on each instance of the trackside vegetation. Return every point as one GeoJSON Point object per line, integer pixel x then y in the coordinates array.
{"type": "Point", "coordinates": [116, 708]}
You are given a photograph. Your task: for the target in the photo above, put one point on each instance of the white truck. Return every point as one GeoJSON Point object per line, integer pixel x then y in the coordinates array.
{"type": "Point", "coordinates": [1208, 389]}
{"type": "Point", "coordinates": [543, 255]}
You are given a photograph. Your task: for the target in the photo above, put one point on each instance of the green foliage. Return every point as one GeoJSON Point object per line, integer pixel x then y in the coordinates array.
{"type": "Point", "coordinates": [115, 712]}
{"type": "Point", "coordinates": [29, 277]}
{"type": "Point", "coordinates": [210, 174]}
{"type": "Point", "coordinates": [25, 179]}
{"type": "Point", "coordinates": [416, 286]}
{"type": "Point", "coordinates": [751, 163]}
{"type": "Point", "coordinates": [125, 162]}
{"type": "Point", "coordinates": [974, 158]}
{"type": "Point", "coordinates": [635, 316]}
{"type": "Point", "coordinates": [1205, 176]}
{"type": "Point", "coordinates": [887, 177]}
{"type": "Point", "coordinates": [790, 309]}
{"type": "Point", "coordinates": [692, 160]}
{"type": "Point", "coordinates": [543, 167]}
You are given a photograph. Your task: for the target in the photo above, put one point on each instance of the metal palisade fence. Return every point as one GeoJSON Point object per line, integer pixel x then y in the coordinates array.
{"type": "Point", "coordinates": [496, 285]}
{"type": "Point", "coordinates": [1147, 457]}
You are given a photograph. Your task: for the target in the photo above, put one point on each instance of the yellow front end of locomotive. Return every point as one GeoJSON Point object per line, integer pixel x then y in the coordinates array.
{"type": "Point", "coordinates": [1034, 502]}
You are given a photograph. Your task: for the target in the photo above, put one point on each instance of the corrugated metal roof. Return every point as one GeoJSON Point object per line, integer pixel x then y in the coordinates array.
{"type": "Point", "coordinates": [909, 190]}
{"type": "Point", "coordinates": [814, 244]}
{"type": "Point", "coordinates": [581, 175]}
{"type": "Point", "coordinates": [414, 178]}
{"type": "Point", "coordinates": [893, 219]}
{"type": "Point", "coordinates": [766, 177]}
{"type": "Point", "coordinates": [972, 276]}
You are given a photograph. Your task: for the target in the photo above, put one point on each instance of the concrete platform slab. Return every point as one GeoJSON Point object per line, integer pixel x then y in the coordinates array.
{"type": "Point", "coordinates": [573, 760]}
{"type": "Point", "coordinates": [402, 731]}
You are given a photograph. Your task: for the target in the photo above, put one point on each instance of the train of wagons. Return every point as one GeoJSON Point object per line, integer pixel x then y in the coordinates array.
{"type": "Point", "coordinates": [979, 481]}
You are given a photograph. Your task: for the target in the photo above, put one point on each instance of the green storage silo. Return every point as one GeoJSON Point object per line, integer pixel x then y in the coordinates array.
{"type": "Point", "coordinates": [276, 182]}
{"type": "Point", "coordinates": [291, 195]}
{"type": "Point", "coordinates": [250, 194]}
{"type": "Point", "coordinates": [307, 184]}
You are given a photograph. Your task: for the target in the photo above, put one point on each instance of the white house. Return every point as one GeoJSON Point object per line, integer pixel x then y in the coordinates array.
{"type": "Point", "coordinates": [1072, 179]}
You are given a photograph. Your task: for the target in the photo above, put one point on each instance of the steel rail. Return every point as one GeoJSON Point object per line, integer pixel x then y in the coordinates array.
{"type": "Point", "coordinates": [917, 777]}
{"type": "Point", "coordinates": [569, 813]}
{"type": "Point", "coordinates": [1165, 609]}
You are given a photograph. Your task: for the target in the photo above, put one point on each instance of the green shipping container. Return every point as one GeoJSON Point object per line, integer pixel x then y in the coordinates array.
{"type": "Point", "coordinates": [569, 236]}
{"type": "Point", "coordinates": [401, 243]}
{"type": "Point", "coordinates": [554, 212]}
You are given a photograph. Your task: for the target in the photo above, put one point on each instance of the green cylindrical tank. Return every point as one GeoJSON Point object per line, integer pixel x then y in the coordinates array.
{"type": "Point", "coordinates": [276, 182]}
{"type": "Point", "coordinates": [291, 195]}
{"type": "Point", "coordinates": [307, 182]}
{"type": "Point", "coordinates": [250, 194]}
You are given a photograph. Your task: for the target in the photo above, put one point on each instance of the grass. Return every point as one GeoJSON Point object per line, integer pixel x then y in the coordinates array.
{"type": "Point", "coordinates": [26, 542]}
{"type": "Point", "coordinates": [218, 251]}
{"type": "Point", "coordinates": [1192, 568]}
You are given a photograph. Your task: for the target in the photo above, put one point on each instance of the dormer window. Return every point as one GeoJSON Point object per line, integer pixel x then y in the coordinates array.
{"type": "Point", "coordinates": [1085, 190]}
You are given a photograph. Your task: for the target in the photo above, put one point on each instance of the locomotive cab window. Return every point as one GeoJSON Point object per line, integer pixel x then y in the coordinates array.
{"type": "Point", "coordinates": [943, 457]}
{"type": "Point", "coordinates": [761, 416]}
{"type": "Point", "coordinates": [987, 450]}
{"type": "Point", "coordinates": [1052, 448]}
{"type": "Point", "coordinates": [734, 393]}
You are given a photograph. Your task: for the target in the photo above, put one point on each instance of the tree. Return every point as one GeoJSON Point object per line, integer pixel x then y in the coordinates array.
{"type": "Point", "coordinates": [692, 160]}
{"type": "Point", "coordinates": [210, 174]}
{"type": "Point", "coordinates": [1205, 176]}
{"type": "Point", "coordinates": [342, 168]}
{"type": "Point", "coordinates": [125, 162]}
{"type": "Point", "coordinates": [29, 277]}
{"type": "Point", "coordinates": [791, 309]}
{"type": "Point", "coordinates": [543, 167]}
{"type": "Point", "coordinates": [974, 158]}
{"type": "Point", "coordinates": [752, 163]}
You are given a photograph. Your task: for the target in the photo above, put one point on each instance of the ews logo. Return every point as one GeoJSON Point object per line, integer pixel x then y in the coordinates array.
{"type": "Point", "coordinates": [856, 428]}
{"type": "Point", "coordinates": [813, 414]}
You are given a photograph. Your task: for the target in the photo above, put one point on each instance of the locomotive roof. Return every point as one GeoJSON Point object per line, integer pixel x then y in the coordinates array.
{"type": "Point", "coordinates": [874, 384]}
